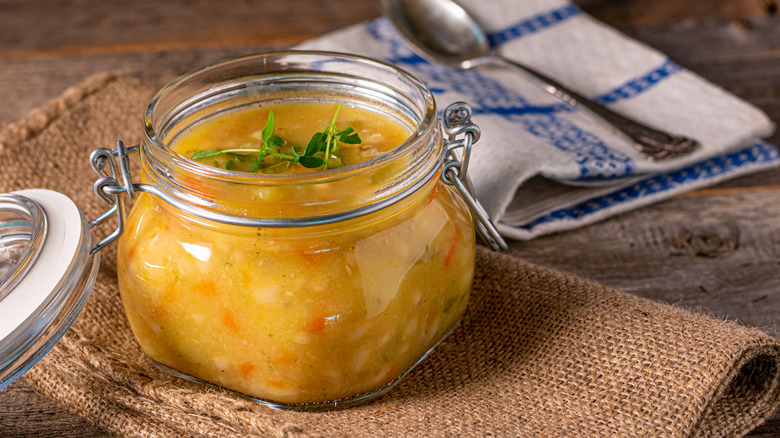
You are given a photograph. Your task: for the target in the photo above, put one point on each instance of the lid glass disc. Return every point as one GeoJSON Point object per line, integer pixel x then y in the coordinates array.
{"type": "Point", "coordinates": [22, 232]}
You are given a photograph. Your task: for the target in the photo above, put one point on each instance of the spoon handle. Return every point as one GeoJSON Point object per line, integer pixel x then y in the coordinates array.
{"type": "Point", "coordinates": [654, 144]}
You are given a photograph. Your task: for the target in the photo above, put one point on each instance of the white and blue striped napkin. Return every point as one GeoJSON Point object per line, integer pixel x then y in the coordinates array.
{"type": "Point", "coordinates": [543, 166]}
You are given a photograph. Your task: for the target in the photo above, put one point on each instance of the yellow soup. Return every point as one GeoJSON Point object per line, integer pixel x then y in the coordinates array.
{"type": "Point", "coordinates": [296, 315]}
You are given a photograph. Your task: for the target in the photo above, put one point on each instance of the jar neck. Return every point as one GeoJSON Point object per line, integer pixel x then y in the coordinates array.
{"type": "Point", "coordinates": [333, 194]}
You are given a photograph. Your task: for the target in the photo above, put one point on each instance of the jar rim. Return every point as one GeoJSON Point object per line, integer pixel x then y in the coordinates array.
{"type": "Point", "coordinates": [426, 123]}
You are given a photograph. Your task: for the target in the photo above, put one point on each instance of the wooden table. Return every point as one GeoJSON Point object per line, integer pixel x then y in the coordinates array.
{"type": "Point", "coordinates": [717, 249]}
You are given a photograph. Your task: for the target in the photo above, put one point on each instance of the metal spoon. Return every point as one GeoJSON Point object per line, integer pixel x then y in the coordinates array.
{"type": "Point", "coordinates": [447, 34]}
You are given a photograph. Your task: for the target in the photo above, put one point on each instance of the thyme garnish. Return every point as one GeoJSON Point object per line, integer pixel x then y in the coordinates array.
{"type": "Point", "coordinates": [322, 147]}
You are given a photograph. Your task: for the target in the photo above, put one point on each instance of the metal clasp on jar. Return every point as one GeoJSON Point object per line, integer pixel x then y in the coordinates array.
{"type": "Point", "coordinates": [109, 189]}
{"type": "Point", "coordinates": [114, 181]}
{"type": "Point", "coordinates": [462, 134]}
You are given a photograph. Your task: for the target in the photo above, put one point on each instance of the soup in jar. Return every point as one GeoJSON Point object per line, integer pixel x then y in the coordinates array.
{"type": "Point", "coordinates": [297, 315]}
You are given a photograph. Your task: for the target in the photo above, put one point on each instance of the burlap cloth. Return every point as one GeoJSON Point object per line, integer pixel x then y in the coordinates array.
{"type": "Point", "coordinates": [539, 352]}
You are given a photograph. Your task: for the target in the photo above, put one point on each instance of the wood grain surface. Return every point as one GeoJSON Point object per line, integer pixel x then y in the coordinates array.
{"type": "Point", "coordinates": [717, 249]}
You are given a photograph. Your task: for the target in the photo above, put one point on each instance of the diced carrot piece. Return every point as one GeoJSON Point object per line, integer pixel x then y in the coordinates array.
{"type": "Point", "coordinates": [275, 384]}
{"type": "Point", "coordinates": [286, 358]}
{"type": "Point", "coordinates": [391, 373]}
{"type": "Point", "coordinates": [229, 321]}
{"type": "Point", "coordinates": [169, 295]}
{"type": "Point", "coordinates": [434, 192]}
{"type": "Point", "coordinates": [159, 312]}
{"type": "Point", "coordinates": [452, 250]}
{"type": "Point", "coordinates": [206, 287]}
{"type": "Point", "coordinates": [312, 258]}
{"type": "Point", "coordinates": [431, 319]}
{"type": "Point", "coordinates": [245, 368]}
{"type": "Point", "coordinates": [316, 325]}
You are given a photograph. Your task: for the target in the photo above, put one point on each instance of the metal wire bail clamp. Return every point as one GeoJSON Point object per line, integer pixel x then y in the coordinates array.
{"type": "Point", "coordinates": [457, 122]}
{"type": "Point", "coordinates": [108, 188]}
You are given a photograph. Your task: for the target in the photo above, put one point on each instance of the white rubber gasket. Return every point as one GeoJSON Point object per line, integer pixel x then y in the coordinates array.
{"type": "Point", "coordinates": [58, 254]}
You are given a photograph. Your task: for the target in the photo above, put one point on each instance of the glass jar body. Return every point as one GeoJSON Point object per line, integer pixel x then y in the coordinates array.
{"type": "Point", "coordinates": [298, 317]}
{"type": "Point", "coordinates": [291, 317]}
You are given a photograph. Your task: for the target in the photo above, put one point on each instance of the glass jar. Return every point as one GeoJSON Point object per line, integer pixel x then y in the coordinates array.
{"type": "Point", "coordinates": [299, 291]}
{"type": "Point", "coordinates": [340, 299]}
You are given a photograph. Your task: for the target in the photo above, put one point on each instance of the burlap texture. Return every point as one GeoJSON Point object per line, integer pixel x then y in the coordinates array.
{"type": "Point", "coordinates": [539, 352]}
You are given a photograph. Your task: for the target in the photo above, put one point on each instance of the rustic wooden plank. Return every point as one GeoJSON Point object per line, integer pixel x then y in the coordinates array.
{"type": "Point", "coordinates": [714, 252]}
{"type": "Point", "coordinates": [644, 13]}
{"type": "Point", "coordinates": [29, 82]}
{"type": "Point", "coordinates": [112, 26]}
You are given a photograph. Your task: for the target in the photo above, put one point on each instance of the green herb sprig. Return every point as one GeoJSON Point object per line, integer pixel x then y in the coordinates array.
{"type": "Point", "coordinates": [322, 147]}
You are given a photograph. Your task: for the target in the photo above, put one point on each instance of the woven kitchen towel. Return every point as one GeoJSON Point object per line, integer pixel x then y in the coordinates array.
{"type": "Point", "coordinates": [538, 353]}
{"type": "Point", "coordinates": [527, 132]}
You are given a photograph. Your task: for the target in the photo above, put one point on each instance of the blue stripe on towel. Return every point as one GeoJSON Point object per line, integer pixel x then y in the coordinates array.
{"type": "Point", "coordinates": [531, 25]}
{"type": "Point", "coordinates": [640, 84]}
{"type": "Point", "coordinates": [521, 110]}
{"type": "Point", "coordinates": [757, 153]}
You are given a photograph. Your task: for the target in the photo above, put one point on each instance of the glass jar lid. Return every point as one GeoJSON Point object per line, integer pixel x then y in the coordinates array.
{"type": "Point", "coordinates": [46, 275]}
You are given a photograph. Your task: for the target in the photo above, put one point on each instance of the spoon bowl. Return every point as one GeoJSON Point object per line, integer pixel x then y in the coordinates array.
{"type": "Point", "coordinates": [444, 31]}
